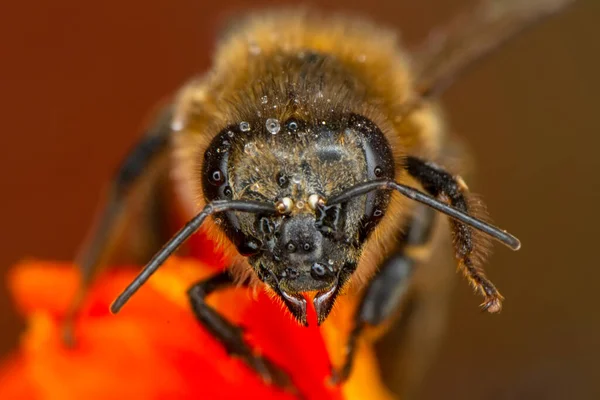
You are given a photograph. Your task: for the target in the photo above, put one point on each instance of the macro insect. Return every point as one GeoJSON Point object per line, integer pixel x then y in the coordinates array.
{"type": "Point", "coordinates": [314, 149]}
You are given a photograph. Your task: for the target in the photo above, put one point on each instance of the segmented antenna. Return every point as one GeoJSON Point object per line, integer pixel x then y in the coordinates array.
{"type": "Point", "coordinates": [363, 188]}
{"type": "Point", "coordinates": [180, 237]}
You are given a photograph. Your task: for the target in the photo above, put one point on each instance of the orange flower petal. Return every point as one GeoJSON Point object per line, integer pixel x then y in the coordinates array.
{"type": "Point", "coordinates": [14, 380]}
{"type": "Point", "coordinates": [45, 285]}
{"type": "Point", "coordinates": [155, 348]}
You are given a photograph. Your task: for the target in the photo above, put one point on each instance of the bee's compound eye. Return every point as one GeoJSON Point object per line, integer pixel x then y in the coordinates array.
{"type": "Point", "coordinates": [216, 177]}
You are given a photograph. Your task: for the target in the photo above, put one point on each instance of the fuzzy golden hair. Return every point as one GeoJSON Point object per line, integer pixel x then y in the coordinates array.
{"type": "Point", "coordinates": [365, 71]}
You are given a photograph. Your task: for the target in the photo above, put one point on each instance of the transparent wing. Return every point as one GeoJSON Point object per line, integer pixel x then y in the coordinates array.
{"type": "Point", "coordinates": [455, 48]}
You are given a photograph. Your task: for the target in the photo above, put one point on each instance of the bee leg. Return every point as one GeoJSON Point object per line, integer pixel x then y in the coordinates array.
{"type": "Point", "coordinates": [470, 246]}
{"type": "Point", "coordinates": [104, 234]}
{"type": "Point", "coordinates": [230, 335]}
{"type": "Point", "coordinates": [389, 289]}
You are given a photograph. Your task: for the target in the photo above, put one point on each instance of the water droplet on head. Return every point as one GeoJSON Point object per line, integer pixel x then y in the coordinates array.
{"type": "Point", "coordinates": [273, 126]}
{"type": "Point", "coordinates": [230, 133]}
{"type": "Point", "coordinates": [264, 100]}
{"type": "Point", "coordinates": [330, 261]}
{"type": "Point", "coordinates": [250, 149]}
{"type": "Point", "coordinates": [300, 204]}
{"type": "Point", "coordinates": [296, 179]}
{"type": "Point", "coordinates": [244, 126]}
{"type": "Point", "coordinates": [176, 125]}
{"type": "Point", "coordinates": [216, 177]}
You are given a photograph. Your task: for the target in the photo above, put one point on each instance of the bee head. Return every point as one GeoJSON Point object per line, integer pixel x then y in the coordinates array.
{"type": "Point", "coordinates": [307, 247]}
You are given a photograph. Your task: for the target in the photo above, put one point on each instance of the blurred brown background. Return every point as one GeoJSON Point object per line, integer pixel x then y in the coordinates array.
{"type": "Point", "coordinates": [77, 80]}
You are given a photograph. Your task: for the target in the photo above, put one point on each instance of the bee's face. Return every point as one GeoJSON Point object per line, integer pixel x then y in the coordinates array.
{"type": "Point", "coordinates": [309, 246]}
{"type": "Point", "coordinates": [299, 256]}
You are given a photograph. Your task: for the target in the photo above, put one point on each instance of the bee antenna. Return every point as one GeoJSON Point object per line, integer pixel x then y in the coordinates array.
{"type": "Point", "coordinates": [180, 237]}
{"type": "Point", "coordinates": [363, 188]}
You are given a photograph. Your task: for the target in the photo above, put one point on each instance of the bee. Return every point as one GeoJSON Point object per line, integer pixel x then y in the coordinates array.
{"type": "Point", "coordinates": [314, 151]}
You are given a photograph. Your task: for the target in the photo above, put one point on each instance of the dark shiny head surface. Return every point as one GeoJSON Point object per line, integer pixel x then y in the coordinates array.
{"type": "Point", "coordinates": [309, 247]}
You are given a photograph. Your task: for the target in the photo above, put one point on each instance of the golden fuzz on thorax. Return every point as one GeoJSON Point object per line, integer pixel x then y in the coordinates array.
{"type": "Point", "coordinates": [297, 64]}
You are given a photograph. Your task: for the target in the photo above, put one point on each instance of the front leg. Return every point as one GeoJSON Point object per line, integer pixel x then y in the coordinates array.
{"type": "Point", "coordinates": [230, 335]}
{"type": "Point", "coordinates": [470, 246]}
{"type": "Point", "coordinates": [389, 288]}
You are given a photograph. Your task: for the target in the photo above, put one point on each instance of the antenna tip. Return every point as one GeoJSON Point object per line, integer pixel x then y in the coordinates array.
{"type": "Point", "coordinates": [116, 306]}
{"type": "Point", "coordinates": [510, 241]}
{"type": "Point", "coordinates": [515, 245]}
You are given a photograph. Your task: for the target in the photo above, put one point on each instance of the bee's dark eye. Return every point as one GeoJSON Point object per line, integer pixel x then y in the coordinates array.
{"type": "Point", "coordinates": [216, 177]}
{"type": "Point", "coordinates": [282, 180]}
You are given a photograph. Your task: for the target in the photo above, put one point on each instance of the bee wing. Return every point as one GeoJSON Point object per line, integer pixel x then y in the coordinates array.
{"type": "Point", "coordinates": [454, 49]}
{"type": "Point", "coordinates": [127, 222]}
